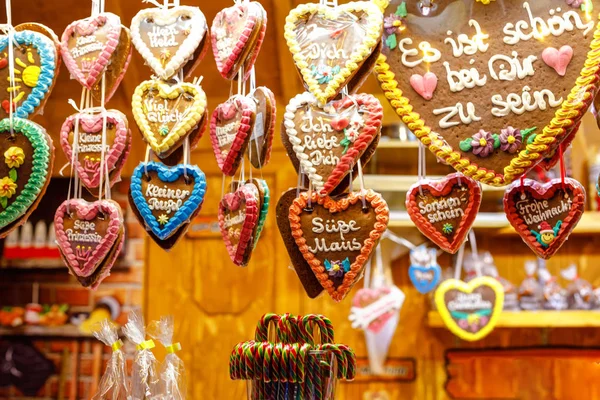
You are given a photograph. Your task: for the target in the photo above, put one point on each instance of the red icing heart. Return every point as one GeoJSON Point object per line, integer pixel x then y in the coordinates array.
{"type": "Point", "coordinates": [365, 297]}
{"type": "Point", "coordinates": [238, 216]}
{"type": "Point", "coordinates": [6, 106]}
{"type": "Point", "coordinates": [544, 214]}
{"type": "Point", "coordinates": [444, 210]}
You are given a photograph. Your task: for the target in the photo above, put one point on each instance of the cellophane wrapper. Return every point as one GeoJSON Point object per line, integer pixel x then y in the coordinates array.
{"type": "Point", "coordinates": [172, 373]}
{"type": "Point", "coordinates": [145, 382]}
{"type": "Point", "coordinates": [113, 385]}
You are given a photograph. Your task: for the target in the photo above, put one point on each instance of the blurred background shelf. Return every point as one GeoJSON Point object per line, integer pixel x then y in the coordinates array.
{"type": "Point", "coordinates": [47, 264]}
{"type": "Point", "coordinates": [401, 183]}
{"type": "Point", "coordinates": [535, 319]}
{"type": "Point", "coordinates": [64, 331]}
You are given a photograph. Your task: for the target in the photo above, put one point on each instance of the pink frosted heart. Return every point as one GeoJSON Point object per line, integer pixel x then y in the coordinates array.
{"type": "Point", "coordinates": [424, 84]}
{"type": "Point", "coordinates": [558, 59]}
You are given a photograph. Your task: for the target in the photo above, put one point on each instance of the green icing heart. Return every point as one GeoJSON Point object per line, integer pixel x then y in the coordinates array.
{"type": "Point", "coordinates": [42, 154]}
{"type": "Point", "coordinates": [262, 217]}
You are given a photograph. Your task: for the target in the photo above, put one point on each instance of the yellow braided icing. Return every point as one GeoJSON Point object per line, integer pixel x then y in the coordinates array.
{"type": "Point", "coordinates": [374, 28]}
{"type": "Point", "coordinates": [565, 117]}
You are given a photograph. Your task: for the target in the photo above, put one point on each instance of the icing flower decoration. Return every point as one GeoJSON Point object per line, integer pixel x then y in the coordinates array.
{"type": "Point", "coordinates": [393, 24]}
{"type": "Point", "coordinates": [352, 131]}
{"type": "Point", "coordinates": [14, 157]}
{"type": "Point", "coordinates": [324, 73]}
{"type": "Point", "coordinates": [163, 130]}
{"type": "Point", "coordinates": [163, 219]}
{"type": "Point", "coordinates": [510, 139]}
{"type": "Point", "coordinates": [337, 269]}
{"type": "Point", "coordinates": [575, 3]}
{"type": "Point", "coordinates": [165, 54]}
{"type": "Point", "coordinates": [234, 233]}
{"type": "Point", "coordinates": [486, 2]}
{"type": "Point", "coordinates": [482, 143]}
{"type": "Point", "coordinates": [447, 228]}
{"type": "Point", "coordinates": [7, 187]}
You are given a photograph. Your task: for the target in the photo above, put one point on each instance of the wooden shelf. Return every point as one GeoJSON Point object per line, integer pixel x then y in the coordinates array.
{"type": "Point", "coordinates": [65, 331]}
{"type": "Point", "coordinates": [535, 319]}
{"type": "Point", "coordinates": [401, 183]}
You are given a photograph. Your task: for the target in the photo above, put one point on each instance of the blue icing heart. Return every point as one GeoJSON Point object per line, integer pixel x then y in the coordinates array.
{"type": "Point", "coordinates": [47, 54]}
{"type": "Point", "coordinates": [424, 279]}
{"type": "Point", "coordinates": [164, 229]}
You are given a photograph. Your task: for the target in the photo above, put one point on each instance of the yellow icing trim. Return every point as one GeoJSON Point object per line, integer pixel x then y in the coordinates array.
{"type": "Point", "coordinates": [527, 158]}
{"type": "Point", "coordinates": [171, 92]}
{"type": "Point", "coordinates": [373, 35]}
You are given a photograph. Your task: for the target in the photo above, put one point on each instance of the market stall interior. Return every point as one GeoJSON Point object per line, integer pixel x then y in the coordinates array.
{"type": "Point", "coordinates": [197, 193]}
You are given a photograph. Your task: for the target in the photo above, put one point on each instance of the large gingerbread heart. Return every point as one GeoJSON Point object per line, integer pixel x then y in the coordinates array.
{"type": "Point", "coordinates": [470, 310]}
{"type": "Point", "coordinates": [328, 140]}
{"type": "Point", "coordinates": [230, 129]}
{"type": "Point", "coordinates": [544, 214]}
{"type": "Point", "coordinates": [35, 61]}
{"type": "Point", "coordinates": [336, 237]}
{"type": "Point", "coordinates": [87, 46]}
{"type": "Point", "coordinates": [489, 86]}
{"type": "Point", "coordinates": [167, 198]}
{"type": "Point", "coordinates": [329, 45]}
{"type": "Point", "coordinates": [87, 234]}
{"type": "Point", "coordinates": [25, 170]}
{"type": "Point", "coordinates": [167, 113]}
{"type": "Point", "coordinates": [444, 210]}
{"type": "Point", "coordinates": [236, 35]}
{"type": "Point", "coordinates": [167, 38]}
{"type": "Point", "coordinates": [238, 216]}
{"type": "Point", "coordinates": [88, 129]}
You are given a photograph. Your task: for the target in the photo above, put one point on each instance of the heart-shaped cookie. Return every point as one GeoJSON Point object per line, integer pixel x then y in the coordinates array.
{"type": "Point", "coordinates": [167, 113]}
{"type": "Point", "coordinates": [366, 297]}
{"type": "Point", "coordinates": [329, 140]}
{"type": "Point", "coordinates": [35, 61]}
{"type": "Point", "coordinates": [497, 107]}
{"type": "Point", "coordinates": [89, 143]}
{"type": "Point", "coordinates": [236, 36]}
{"type": "Point", "coordinates": [25, 170]}
{"type": "Point", "coordinates": [167, 198]}
{"type": "Point", "coordinates": [264, 200]}
{"type": "Point", "coordinates": [544, 214]}
{"type": "Point", "coordinates": [87, 46]}
{"type": "Point", "coordinates": [336, 237]}
{"type": "Point", "coordinates": [230, 128]}
{"type": "Point", "coordinates": [444, 210]}
{"type": "Point", "coordinates": [167, 39]}
{"type": "Point", "coordinates": [87, 235]}
{"type": "Point", "coordinates": [329, 45]}
{"type": "Point", "coordinates": [423, 278]}
{"type": "Point", "coordinates": [261, 141]}
{"type": "Point", "coordinates": [238, 216]}
{"type": "Point", "coordinates": [470, 310]}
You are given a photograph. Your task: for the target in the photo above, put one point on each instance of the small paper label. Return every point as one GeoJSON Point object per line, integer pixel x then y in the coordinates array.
{"type": "Point", "coordinates": [259, 128]}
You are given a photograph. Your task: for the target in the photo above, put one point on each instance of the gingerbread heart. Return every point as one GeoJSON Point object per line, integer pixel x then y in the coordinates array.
{"type": "Point", "coordinates": [470, 310]}
{"type": "Point", "coordinates": [167, 113]}
{"type": "Point", "coordinates": [381, 313]}
{"type": "Point", "coordinates": [230, 128]}
{"type": "Point", "coordinates": [87, 46]}
{"type": "Point", "coordinates": [115, 69]}
{"type": "Point", "coordinates": [89, 143]}
{"type": "Point", "coordinates": [329, 140]}
{"type": "Point", "coordinates": [261, 141]}
{"type": "Point", "coordinates": [35, 61]}
{"type": "Point", "coordinates": [167, 198]}
{"type": "Point", "coordinates": [236, 35]}
{"type": "Point", "coordinates": [167, 38]}
{"type": "Point", "coordinates": [87, 235]}
{"type": "Point", "coordinates": [238, 216]}
{"type": "Point", "coordinates": [497, 107]}
{"type": "Point", "coordinates": [336, 237]}
{"type": "Point", "coordinates": [423, 278]}
{"type": "Point", "coordinates": [444, 210]}
{"type": "Point", "coordinates": [544, 214]}
{"type": "Point", "coordinates": [24, 171]}
{"type": "Point", "coordinates": [329, 45]}
{"type": "Point", "coordinates": [265, 199]}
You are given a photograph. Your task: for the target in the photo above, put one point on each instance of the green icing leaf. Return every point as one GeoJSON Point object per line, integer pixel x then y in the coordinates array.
{"type": "Point", "coordinates": [401, 10]}
{"type": "Point", "coordinates": [496, 140]}
{"type": "Point", "coordinates": [465, 145]}
{"type": "Point", "coordinates": [531, 139]}
{"type": "Point", "coordinates": [3, 202]}
{"type": "Point", "coordinates": [391, 41]}
{"type": "Point", "coordinates": [13, 174]}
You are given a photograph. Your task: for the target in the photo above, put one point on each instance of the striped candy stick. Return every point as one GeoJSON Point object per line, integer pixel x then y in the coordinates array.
{"type": "Point", "coordinates": [262, 329]}
{"type": "Point", "coordinates": [350, 362]}
{"type": "Point", "coordinates": [340, 358]}
{"type": "Point", "coordinates": [234, 361]}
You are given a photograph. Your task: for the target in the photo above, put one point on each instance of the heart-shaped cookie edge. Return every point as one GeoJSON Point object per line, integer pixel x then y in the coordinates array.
{"type": "Point", "coordinates": [187, 209]}
{"type": "Point", "coordinates": [111, 208]}
{"type": "Point", "coordinates": [368, 133]}
{"type": "Point", "coordinates": [427, 287]}
{"type": "Point", "coordinates": [264, 211]}
{"type": "Point", "coordinates": [536, 188]}
{"type": "Point", "coordinates": [185, 50]}
{"type": "Point", "coordinates": [116, 149]}
{"type": "Point", "coordinates": [101, 62]}
{"type": "Point", "coordinates": [372, 37]}
{"type": "Point", "coordinates": [182, 128]}
{"type": "Point", "coordinates": [270, 132]}
{"type": "Point", "coordinates": [441, 188]}
{"type": "Point", "coordinates": [578, 101]}
{"type": "Point", "coordinates": [381, 210]}
{"type": "Point", "coordinates": [48, 58]}
{"type": "Point", "coordinates": [450, 284]}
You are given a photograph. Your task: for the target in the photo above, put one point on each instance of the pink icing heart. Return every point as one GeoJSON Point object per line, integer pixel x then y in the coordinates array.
{"type": "Point", "coordinates": [424, 84]}
{"type": "Point", "coordinates": [558, 59]}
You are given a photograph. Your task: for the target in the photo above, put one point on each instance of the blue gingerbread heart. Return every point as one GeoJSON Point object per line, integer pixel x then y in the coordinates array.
{"type": "Point", "coordinates": [32, 74]}
{"type": "Point", "coordinates": [154, 191]}
{"type": "Point", "coordinates": [424, 279]}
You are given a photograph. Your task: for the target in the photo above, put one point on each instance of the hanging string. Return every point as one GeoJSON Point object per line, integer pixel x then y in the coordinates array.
{"type": "Point", "coordinates": [103, 148]}
{"type": "Point", "coordinates": [75, 149]}
{"type": "Point", "coordinates": [300, 173]}
{"type": "Point", "coordinates": [362, 184]}
{"type": "Point", "coordinates": [474, 252]}
{"type": "Point", "coordinates": [459, 262]}
{"type": "Point", "coordinates": [421, 173]}
{"type": "Point", "coordinates": [563, 172]}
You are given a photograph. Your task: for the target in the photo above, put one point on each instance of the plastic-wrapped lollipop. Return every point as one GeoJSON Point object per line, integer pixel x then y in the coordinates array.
{"type": "Point", "coordinates": [172, 373]}
{"type": "Point", "coordinates": [555, 297]}
{"type": "Point", "coordinates": [530, 291]}
{"type": "Point", "coordinates": [579, 291]}
{"type": "Point", "coordinates": [145, 381]}
{"type": "Point", "coordinates": [113, 385]}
